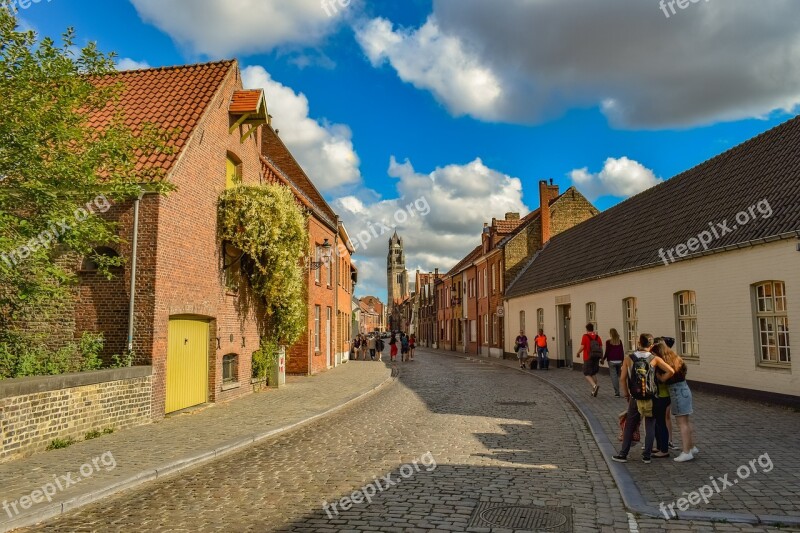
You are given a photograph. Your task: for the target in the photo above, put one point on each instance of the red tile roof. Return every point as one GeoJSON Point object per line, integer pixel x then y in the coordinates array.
{"type": "Point", "coordinates": [168, 97]}
{"type": "Point", "coordinates": [246, 101]}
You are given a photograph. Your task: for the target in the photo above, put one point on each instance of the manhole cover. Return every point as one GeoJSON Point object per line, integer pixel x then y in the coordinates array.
{"type": "Point", "coordinates": [530, 517]}
{"type": "Point", "coordinates": [515, 403]}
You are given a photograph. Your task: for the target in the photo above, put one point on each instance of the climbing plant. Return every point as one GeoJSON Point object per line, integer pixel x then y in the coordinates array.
{"type": "Point", "coordinates": [270, 229]}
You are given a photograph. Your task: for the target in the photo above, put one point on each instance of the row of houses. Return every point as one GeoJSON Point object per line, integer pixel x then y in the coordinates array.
{"type": "Point", "coordinates": [178, 305]}
{"type": "Point", "coordinates": [710, 257]}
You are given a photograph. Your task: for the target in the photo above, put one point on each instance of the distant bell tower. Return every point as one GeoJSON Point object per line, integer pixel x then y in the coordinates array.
{"type": "Point", "coordinates": [396, 274]}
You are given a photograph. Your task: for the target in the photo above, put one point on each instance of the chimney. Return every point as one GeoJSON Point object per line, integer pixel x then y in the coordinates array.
{"type": "Point", "coordinates": [512, 216]}
{"type": "Point", "coordinates": [547, 193]}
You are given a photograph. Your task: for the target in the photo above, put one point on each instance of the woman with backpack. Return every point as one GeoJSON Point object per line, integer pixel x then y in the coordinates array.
{"type": "Point", "coordinates": [404, 347]}
{"type": "Point", "coordinates": [592, 350]}
{"type": "Point", "coordinates": [681, 400]}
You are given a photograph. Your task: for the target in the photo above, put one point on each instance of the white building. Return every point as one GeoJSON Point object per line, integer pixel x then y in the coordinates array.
{"type": "Point", "coordinates": [710, 257]}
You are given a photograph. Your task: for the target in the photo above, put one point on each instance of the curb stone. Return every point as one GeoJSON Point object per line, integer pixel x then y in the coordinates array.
{"type": "Point", "coordinates": [177, 465]}
{"type": "Point", "coordinates": [632, 497]}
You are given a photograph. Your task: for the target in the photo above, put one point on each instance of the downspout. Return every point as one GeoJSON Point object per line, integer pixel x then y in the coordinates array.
{"type": "Point", "coordinates": [336, 280]}
{"type": "Point", "coordinates": [132, 303]}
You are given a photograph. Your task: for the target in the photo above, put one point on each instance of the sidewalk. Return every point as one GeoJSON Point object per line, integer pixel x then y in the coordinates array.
{"type": "Point", "coordinates": [90, 470]}
{"type": "Point", "coordinates": [730, 434]}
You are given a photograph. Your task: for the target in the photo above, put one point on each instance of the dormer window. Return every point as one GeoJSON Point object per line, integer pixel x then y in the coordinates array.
{"type": "Point", "coordinates": [248, 110]}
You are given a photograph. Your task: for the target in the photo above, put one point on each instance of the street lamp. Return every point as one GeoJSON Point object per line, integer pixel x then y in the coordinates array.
{"type": "Point", "coordinates": [326, 253]}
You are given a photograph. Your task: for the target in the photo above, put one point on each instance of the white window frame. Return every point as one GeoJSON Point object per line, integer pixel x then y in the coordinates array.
{"type": "Point", "coordinates": [591, 314]}
{"type": "Point", "coordinates": [630, 317]}
{"type": "Point", "coordinates": [772, 323]}
{"type": "Point", "coordinates": [686, 316]}
{"type": "Point", "coordinates": [539, 320]}
{"type": "Point", "coordinates": [317, 320]}
{"type": "Point", "coordinates": [522, 321]}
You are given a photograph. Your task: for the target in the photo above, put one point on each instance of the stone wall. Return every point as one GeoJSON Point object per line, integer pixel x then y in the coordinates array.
{"type": "Point", "coordinates": [34, 411]}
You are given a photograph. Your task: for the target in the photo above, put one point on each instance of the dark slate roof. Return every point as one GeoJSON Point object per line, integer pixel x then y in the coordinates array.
{"type": "Point", "coordinates": [629, 236]}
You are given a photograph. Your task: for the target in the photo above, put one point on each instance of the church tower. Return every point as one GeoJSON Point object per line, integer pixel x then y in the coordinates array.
{"type": "Point", "coordinates": [396, 274]}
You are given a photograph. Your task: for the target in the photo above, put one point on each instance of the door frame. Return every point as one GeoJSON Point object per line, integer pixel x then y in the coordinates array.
{"type": "Point", "coordinates": [564, 318]}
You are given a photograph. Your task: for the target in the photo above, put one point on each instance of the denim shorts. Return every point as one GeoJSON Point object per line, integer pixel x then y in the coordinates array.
{"type": "Point", "coordinates": [681, 398]}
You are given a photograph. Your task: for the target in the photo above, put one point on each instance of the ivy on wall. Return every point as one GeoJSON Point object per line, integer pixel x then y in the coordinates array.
{"type": "Point", "coordinates": [270, 229]}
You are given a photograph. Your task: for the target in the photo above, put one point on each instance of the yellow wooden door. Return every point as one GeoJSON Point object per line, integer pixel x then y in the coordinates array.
{"type": "Point", "coordinates": [187, 364]}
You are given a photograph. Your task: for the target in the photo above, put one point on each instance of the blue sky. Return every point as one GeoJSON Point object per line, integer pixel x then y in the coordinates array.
{"type": "Point", "coordinates": [481, 98]}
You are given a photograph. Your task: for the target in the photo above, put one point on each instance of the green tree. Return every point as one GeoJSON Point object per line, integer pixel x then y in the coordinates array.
{"type": "Point", "coordinates": [63, 145]}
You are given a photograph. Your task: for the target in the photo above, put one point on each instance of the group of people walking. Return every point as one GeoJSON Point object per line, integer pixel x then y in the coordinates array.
{"type": "Point", "coordinates": [373, 346]}
{"type": "Point", "coordinates": [652, 380]}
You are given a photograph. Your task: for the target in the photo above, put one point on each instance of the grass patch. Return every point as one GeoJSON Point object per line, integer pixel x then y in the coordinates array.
{"type": "Point", "coordinates": [57, 444]}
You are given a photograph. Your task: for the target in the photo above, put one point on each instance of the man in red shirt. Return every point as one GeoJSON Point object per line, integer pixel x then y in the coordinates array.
{"type": "Point", "coordinates": [592, 350]}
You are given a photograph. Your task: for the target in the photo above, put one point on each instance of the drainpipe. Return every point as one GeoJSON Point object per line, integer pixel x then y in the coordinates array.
{"type": "Point", "coordinates": [132, 304]}
{"type": "Point", "coordinates": [336, 279]}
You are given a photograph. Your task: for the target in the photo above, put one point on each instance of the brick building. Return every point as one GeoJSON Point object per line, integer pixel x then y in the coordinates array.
{"type": "Point", "coordinates": [378, 310]}
{"type": "Point", "coordinates": [426, 325]}
{"type": "Point", "coordinates": [188, 319]}
{"type": "Point", "coordinates": [473, 311]}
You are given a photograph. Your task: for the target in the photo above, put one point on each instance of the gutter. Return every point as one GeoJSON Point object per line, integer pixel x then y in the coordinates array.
{"type": "Point", "coordinates": [134, 250]}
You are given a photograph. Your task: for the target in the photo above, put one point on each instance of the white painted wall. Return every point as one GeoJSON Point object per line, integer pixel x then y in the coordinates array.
{"type": "Point", "coordinates": [726, 324]}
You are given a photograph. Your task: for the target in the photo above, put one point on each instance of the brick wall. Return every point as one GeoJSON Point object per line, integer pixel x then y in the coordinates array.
{"type": "Point", "coordinates": [34, 411]}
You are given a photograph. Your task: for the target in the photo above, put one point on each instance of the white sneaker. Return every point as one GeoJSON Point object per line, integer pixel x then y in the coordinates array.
{"type": "Point", "coordinates": [683, 457]}
{"type": "Point", "coordinates": [695, 450]}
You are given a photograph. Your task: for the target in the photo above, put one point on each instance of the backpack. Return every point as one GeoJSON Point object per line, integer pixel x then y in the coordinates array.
{"type": "Point", "coordinates": [595, 348]}
{"type": "Point", "coordinates": [380, 345]}
{"type": "Point", "coordinates": [642, 378]}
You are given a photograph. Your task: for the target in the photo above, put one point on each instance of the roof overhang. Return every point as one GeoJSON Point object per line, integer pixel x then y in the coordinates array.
{"type": "Point", "coordinates": [248, 108]}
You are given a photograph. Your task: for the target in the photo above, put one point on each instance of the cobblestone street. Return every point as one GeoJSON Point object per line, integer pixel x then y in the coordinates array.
{"type": "Point", "coordinates": [497, 436]}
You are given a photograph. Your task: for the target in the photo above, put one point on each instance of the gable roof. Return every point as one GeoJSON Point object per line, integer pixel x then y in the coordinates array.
{"type": "Point", "coordinates": [464, 263]}
{"type": "Point", "coordinates": [167, 97]}
{"type": "Point", "coordinates": [276, 154]}
{"type": "Point", "coordinates": [629, 235]}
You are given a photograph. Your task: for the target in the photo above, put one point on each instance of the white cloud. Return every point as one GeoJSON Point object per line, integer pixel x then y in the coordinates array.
{"type": "Point", "coordinates": [325, 151]}
{"type": "Point", "coordinates": [458, 199]}
{"type": "Point", "coordinates": [433, 61]}
{"type": "Point", "coordinates": [620, 178]}
{"type": "Point", "coordinates": [127, 63]}
{"type": "Point", "coordinates": [223, 28]}
{"type": "Point", "coordinates": [530, 60]}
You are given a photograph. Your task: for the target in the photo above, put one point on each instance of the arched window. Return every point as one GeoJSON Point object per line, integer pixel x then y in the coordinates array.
{"type": "Point", "coordinates": [630, 314]}
{"type": "Point", "coordinates": [591, 314]}
{"type": "Point", "coordinates": [233, 171]}
{"type": "Point", "coordinates": [91, 262]}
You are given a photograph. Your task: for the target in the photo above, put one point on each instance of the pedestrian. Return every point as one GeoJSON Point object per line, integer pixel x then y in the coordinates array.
{"type": "Point", "coordinates": [357, 346]}
{"type": "Point", "coordinates": [681, 398]}
{"type": "Point", "coordinates": [592, 350]}
{"type": "Point", "coordinates": [393, 348]}
{"type": "Point", "coordinates": [661, 403]}
{"type": "Point", "coordinates": [372, 345]}
{"type": "Point", "coordinates": [540, 342]}
{"type": "Point", "coordinates": [364, 347]}
{"type": "Point", "coordinates": [412, 343]}
{"type": "Point", "coordinates": [405, 346]}
{"type": "Point", "coordinates": [638, 384]}
{"type": "Point", "coordinates": [615, 354]}
{"type": "Point", "coordinates": [380, 347]}
{"type": "Point", "coordinates": [521, 347]}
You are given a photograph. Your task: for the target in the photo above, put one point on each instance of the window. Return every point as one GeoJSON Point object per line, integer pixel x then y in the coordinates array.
{"type": "Point", "coordinates": [230, 369]}
{"type": "Point", "coordinates": [631, 323]}
{"type": "Point", "coordinates": [329, 268]}
{"type": "Point", "coordinates": [539, 319]}
{"type": "Point", "coordinates": [494, 280]}
{"type": "Point", "coordinates": [591, 314]}
{"type": "Point", "coordinates": [91, 262]}
{"type": "Point", "coordinates": [772, 322]}
{"type": "Point", "coordinates": [317, 258]}
{"type": "Point", "coordinates": [485, 293]}
{"type": "Point", "coordinates": [494, 329]}
{"type": "Point", "coordinates": [686, 311]}
{"type": "Point", "coordinates": [473, 330]}
{"type": "Point", "coordinates": [233, 172]}
{"type": "Point", "coordinates": [522, 321]}
{"type": "Point", "coordinates": [317, 313]}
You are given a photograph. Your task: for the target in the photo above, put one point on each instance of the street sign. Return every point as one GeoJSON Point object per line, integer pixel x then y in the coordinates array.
{"type": "Point", "coordinates": [501, 311]}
